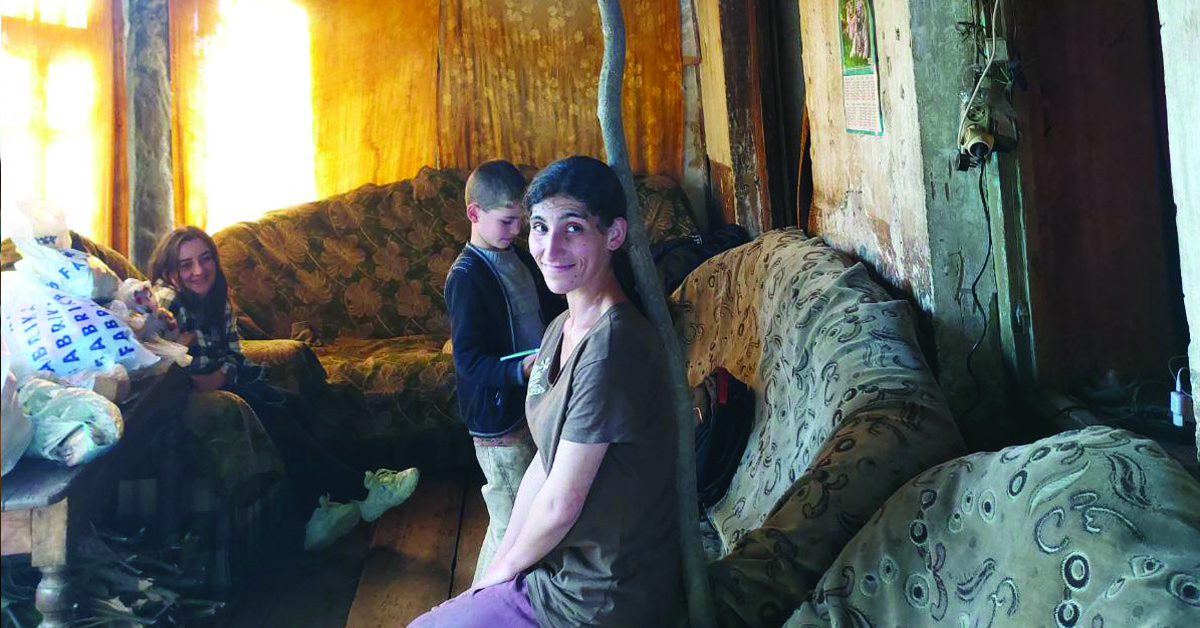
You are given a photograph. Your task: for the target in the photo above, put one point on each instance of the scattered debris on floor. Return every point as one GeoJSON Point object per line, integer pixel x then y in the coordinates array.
{"type": "Point", "coordinates": [117, 582]}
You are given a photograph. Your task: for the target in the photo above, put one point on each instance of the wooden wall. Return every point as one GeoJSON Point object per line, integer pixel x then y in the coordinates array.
{"type": "Point", "coordinates": [1103, 259]}
{"type": "Point", "coordinates": [868, 195]}
{"type": "Point", "coordinates": [1181, 56]}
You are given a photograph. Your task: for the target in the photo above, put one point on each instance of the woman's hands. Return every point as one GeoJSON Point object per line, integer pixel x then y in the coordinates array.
{"type": "Point", "coordinates": [215, 380]}
{"type": "Point", "coordinates": [545, 510]}
{"type": "Point", "coordinates": [527, 365]}
{"type": "Point", "coordinates": [495, 575]}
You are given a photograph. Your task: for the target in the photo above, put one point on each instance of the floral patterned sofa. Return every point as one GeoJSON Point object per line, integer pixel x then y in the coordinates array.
{"type": "Point", "coordinates": [847, 413]}
{"type": "Point", "coordinates": [359, 277]}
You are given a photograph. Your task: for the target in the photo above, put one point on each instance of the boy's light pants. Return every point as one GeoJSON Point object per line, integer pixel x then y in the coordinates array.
{"type": "Point", "coordinates": [503, 461]}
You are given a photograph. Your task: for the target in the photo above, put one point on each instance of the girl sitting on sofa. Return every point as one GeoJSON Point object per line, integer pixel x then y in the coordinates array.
{"type": "Point", "coordinates": [188, 280]}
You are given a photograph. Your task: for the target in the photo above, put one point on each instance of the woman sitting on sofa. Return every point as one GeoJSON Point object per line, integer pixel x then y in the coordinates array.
{"type": "Point", "coordinates": [592, 538]}
{"type": "Point", "coordinates": [189, 281]}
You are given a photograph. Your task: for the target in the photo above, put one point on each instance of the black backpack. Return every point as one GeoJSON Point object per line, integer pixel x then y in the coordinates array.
{"type": "Point", "coordinates": [721, 436]}
{"type": "Point", "coordinates": [677, 257]}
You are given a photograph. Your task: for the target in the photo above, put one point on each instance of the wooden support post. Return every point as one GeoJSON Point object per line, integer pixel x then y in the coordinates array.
{"type": "Point", "coordinates": [608, 110]}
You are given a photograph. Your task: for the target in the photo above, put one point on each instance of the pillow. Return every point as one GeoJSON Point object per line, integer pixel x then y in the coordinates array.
{"type": "Point", "coordinates": [1093, 528]}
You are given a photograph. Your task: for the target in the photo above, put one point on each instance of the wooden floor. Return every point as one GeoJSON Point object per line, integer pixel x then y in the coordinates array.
{"type": "Point", "coordinates": [381, 575]}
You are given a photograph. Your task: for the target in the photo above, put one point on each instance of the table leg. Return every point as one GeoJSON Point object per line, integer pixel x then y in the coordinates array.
{"type": "Point", "coordinates": [53, 597]}
{"type": "Point", "coordinates": [170, 481]}
{"type": "Point", "coordinates": [49, 556]}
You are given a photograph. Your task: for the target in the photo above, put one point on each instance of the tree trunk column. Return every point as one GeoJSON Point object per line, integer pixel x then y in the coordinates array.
{"type": "Point", "coordinates": [148, 135]}
{"type": "Point", "coordinates": [608, 111]}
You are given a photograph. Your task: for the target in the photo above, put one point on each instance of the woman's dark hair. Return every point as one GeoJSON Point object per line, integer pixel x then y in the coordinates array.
{"type": "Point", "coordinates": [593, 183]}
{"type": "Point", "coordinates": [164, 267]}
{"type": "Point", "coordinates": [584, 179]}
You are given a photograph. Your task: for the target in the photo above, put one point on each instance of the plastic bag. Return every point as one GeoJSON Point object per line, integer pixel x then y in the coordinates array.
{"type": "Point", "coordinates": [17, 428]}
{"type": "Point", "coordinates": [74, 272]}
{"type": "Point", "coordinates": [154, 325]}
{"type": "Point", "coordinates": [112, 383]}
{"type": "Point", "coordinates": [70, 425]}
{"type": "Point", "coordinates": [50, 330]}
{"type": "Point", "coordinates": [40, 220]}
{"type": "Point", "coordinates": [39, 231]}
{"type": "Point", "coordinates": [172, 351]}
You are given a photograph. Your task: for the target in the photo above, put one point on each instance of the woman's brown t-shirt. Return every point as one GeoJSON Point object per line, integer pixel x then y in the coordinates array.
{"type": "Point", "coordinates": [619, 563]}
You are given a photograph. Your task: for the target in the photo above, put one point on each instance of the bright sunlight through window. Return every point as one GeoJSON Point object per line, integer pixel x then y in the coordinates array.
{"type": "Point", "coordinates": [48, 112]}
{"type": "Point", "coordinates": [69, 13]}
{"type": "Point", "coordinates": [257, 104]}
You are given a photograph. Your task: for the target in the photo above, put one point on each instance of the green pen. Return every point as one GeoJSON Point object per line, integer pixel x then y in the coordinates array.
{"type": "Point", "coordinates": [519, 354]}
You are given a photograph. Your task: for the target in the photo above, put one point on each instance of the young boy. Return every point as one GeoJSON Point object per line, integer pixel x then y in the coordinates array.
{"type": "Point", "coordinates": [498, 305]}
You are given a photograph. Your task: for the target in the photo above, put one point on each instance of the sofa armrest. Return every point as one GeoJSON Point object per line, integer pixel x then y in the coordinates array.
{"type": "Point", "coordinates": [292, 365]}
{"type": "Point", "coordinates": [1096, 527]}
{"type": "Point", "coordinates": [771, 569]}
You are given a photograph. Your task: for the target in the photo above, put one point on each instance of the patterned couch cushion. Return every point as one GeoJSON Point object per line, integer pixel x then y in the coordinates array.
{"type": "Point", "coordinates": [846, 411]}
{"type": "Point", "coordinates": [1091, 528]}
{"type": "Point", "coordinates": [407, 382]}
{"type": "Point", "coordinates": [355, 265]}
{"type": "Point", "coordinates": [820, 343]}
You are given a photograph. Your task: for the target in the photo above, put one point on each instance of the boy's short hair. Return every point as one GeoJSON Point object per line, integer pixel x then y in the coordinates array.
{"type": "Point", "coordinates": [494, 184]}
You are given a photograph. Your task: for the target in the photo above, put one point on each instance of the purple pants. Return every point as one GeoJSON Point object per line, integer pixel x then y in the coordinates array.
{"type": "Point", "coordinates": [503, 605]}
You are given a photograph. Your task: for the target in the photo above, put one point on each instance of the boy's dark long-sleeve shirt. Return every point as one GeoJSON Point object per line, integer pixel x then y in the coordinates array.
{"type": "Point", "coordinates": [491, 393]}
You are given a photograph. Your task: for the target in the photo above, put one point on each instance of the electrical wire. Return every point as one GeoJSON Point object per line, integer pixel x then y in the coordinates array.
{"type": "Point", "coordinates": [1066, 409]}
{"type": "Point", "coordinates": [1175, 373]}
{"type": "Point", "coordinates": [987, 223]}
{"type": "Point", "coordinates": [1178, 382]}
{"type": "Point", "coordinates": [991, 57]}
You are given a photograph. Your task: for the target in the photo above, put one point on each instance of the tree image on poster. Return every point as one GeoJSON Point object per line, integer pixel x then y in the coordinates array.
{"type": "Point", "coordinates": [857, 29]}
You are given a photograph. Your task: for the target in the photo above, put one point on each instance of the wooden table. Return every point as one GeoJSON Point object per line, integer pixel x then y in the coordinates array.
{"type": "Point", "coordinates": [45, 503]}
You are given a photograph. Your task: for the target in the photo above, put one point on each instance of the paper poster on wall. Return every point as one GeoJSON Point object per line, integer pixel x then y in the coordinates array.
{"type": "Point", "coordinates": [860, 65]}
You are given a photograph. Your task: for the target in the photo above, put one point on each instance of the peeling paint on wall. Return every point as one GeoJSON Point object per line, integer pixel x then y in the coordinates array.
{"type": "Point", "coordinates": [869, 198]}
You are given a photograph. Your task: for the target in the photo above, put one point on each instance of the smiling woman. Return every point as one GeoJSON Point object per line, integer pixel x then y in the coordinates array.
{"type": "Point", "coordinates": [571, 246]}
{"type": "Point", "coordinates": [189, 281]}
{"type": "Point", "coordinates": [197, 268]}
{"type": "Point", "coordinates": [592, 535]}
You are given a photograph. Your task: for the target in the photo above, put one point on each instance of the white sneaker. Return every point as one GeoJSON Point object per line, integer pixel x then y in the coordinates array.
{"type": "Point", "coordinates": [329, 522]}
{"type": "Point", "coordinates": [386, 489]}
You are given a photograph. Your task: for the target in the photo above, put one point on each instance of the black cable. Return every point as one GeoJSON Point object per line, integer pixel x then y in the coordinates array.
{"type": "Point", "coordinates": [1066, 409]}
{"type": "Point", "coordinates": [987, 223]}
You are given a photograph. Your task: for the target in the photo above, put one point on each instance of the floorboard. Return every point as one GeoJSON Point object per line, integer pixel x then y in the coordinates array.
{"type": "Point", "coordinates": [470, 535]}
{"type": "Point", "coordinates": [409, 567]}
{"type": "Point", "coordinates": [295, 589]}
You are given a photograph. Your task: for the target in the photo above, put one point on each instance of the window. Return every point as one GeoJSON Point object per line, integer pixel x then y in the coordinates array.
{"type": "Point", "coordinates": [56, 114]}
{"type": "Point", "coordinates": [243, 83]}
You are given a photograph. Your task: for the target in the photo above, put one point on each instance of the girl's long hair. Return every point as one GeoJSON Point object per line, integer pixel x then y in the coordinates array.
{"type": "Point", "coordinates": [593, 183]}
{"type": "Point", "coordinates": [164, 266]}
